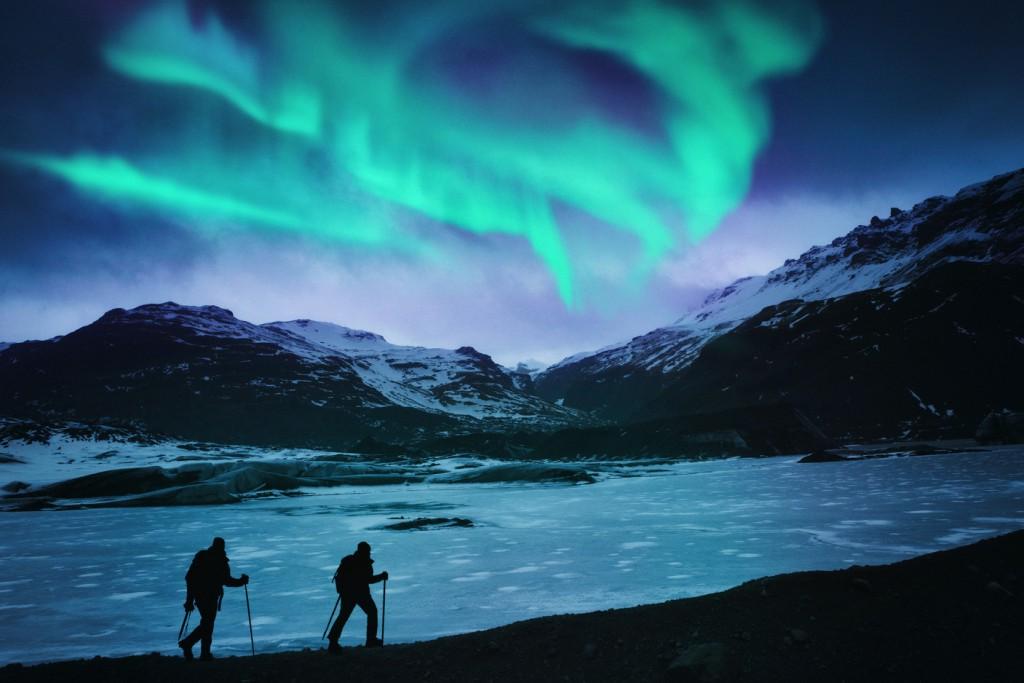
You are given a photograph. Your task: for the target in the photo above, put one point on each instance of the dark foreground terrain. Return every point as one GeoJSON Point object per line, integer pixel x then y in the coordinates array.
{"type": "Point", "coordinates": [953, 615]}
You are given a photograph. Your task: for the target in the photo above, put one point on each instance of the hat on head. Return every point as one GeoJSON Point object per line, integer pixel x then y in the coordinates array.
{"type": "Point", "coordinates": [363, 547]}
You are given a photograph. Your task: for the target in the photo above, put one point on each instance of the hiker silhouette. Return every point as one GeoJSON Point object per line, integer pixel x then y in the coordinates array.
{"type": "Point", "coordinates": [352, 581]}
{"type": "Point", "coordinates": [205, 581]}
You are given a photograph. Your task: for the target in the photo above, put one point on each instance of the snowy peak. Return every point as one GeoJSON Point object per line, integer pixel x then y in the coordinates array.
{"type": "Point", "coordinates": [462, 381]}
{"type": "Point", "coordinates": [192, 324]}
{"type": "Point", "coordinates": [335, 337]}
{"type": "Point", "coordinates": [529, 367]}
{"type": "Point", "coordinates": [169, 312]}
{"type": "Point", "coordinates": [983, 222]}
{"type": "Point", "coordinates": [203, 320]}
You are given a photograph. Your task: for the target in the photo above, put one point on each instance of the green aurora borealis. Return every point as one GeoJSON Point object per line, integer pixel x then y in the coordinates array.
{"type": "Point", "coordinates": [405, 143]}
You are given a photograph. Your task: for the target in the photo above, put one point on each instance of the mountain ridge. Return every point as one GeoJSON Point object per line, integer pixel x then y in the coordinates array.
{"type": "Point", "coordinates": [199, 372]}
{"type": "Point", "coordinates": [983, 222]}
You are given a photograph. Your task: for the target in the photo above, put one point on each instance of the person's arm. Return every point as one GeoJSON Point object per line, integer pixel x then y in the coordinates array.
{"type": "Point", "coordinates": [190, 599]}
{"type": "Point", "coordinates": [231, 581]}
{"type": "Point", "coordinates": [383, 576]}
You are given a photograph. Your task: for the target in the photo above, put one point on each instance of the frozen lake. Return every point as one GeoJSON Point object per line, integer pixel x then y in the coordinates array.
{"type": "Point", "coordinates": [110, 581]}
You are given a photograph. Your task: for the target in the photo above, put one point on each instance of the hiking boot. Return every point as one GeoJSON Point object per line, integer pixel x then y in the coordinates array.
{"type": "Point", "coordinates": [186, 650]}
{"type": "Point", "coordinates": [375, 642]}
{"type": "Point", "coordinates": [333, 648]}
{"type": "Point", "coordinates": [205, 656]}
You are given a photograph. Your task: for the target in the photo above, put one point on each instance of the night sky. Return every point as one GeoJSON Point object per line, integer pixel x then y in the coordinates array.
{"type": "Point", "coordinates": [533, 179]}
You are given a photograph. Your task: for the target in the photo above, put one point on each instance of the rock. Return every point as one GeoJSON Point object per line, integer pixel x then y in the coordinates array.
{"type": "Point", "coordinates": [196, 494]}
{"type": "Point", "coordinates": [507, 473]}
{"type": "Point", "coordinates": [28, 504]}
{"type": "Point", "coordinates": [822, 456]}
{"type": "Point", "coordinates": [429, 523]}
{"type": "Point", "coordinates": [703, 662]}
{"type": "Point", "coordinates": [996, 588]}
{"type": "Point", "coordinates": [8, 459]}
{"type": "Point", "coordinates": [862, 584]}
{"type": "Point", "coordinates": [1002, 426]}
{"type": "Point", "coordinates": [894, 212]}
{"type": "Point", "coordinates": [16, 486]}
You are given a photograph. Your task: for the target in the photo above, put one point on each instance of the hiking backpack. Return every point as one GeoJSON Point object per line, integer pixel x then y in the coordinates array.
{"type": "Point", "coordinates": [344, 569]}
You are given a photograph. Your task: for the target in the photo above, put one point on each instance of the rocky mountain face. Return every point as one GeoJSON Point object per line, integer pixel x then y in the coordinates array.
{"type": "Point", "coordinates": [929, 359]}
{"type": "Point", "coordinates": [463, 382]}
{"type": "Point", "coordinates": [201, 373]}
{"type": "Point", "coordinates": [860, 334]}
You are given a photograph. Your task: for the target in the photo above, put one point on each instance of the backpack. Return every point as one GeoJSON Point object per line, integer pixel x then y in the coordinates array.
{"type": "Point", "coordinates": [344, 569]}
{"type": "Point", "coordinates": [202, 577]}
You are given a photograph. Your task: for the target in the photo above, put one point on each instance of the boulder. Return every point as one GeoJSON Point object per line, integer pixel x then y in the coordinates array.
{"type": "Point", "coordinates": [1003, 426]}
{"type": "Point", "coordinates": [429, 523]}
{"type": "Point", "coordinates": [703, 662]}
{"type": "Point", "coordinates": [822, 456]}
{"type": "Point", "coordinates": [196, 494]}
{"type": "Point", "coordinates": [518, 472]}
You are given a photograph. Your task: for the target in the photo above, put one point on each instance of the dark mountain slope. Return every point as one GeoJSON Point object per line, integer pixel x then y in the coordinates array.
{"type": "Point", "coordinates": [200, 373]}
{"type": "Point", "coordinates": [982, 224]}
{"type": "Point", "coordinates": [929, 359]}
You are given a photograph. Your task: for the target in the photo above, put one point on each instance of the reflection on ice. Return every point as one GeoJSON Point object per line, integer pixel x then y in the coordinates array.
{"type": "Point", "coordinates": [125, 597]}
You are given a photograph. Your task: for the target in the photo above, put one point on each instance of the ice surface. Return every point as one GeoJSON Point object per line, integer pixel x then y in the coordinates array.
{"type": "Point", "coordinates": [109, 581]}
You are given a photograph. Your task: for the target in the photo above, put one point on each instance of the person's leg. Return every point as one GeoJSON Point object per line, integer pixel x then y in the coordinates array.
{"type": "Point", "coordinates": [201, 628]}
{"type": "Point", "coordinates": [204, 631]}
{"type": "Point", "coordinates": [208, 612]}
{"type": "Point", "coordinates": [346, 611]}
{"type": "Point", "coordinates": [367, 604]}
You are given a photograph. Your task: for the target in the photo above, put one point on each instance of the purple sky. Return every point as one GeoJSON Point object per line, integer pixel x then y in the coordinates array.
{"type": "Point", "coordinates": [502, 303]}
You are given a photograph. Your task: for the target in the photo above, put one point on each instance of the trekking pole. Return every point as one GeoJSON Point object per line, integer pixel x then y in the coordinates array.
{"type": "Point", "coordinates": [184, 623]}
{"type": "Point", "coordinates": [331, 618]}
{"type": "Point", "coordinates": [249, 612]}
{"type": "Point", "coordinates": [383, 611]}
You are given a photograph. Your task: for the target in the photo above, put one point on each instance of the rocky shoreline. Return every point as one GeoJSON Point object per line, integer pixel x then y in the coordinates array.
{"type": "Point", "coordinates": [951, 615]}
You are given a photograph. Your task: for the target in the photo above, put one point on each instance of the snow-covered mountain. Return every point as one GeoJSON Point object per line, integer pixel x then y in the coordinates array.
{"type": "Point", "coordinates": [461, 382]}
{"type": "Point", "coordinates": [200, 372]}
{"type": "Point", "coordinates": [912, 324]}
{"type": "Point", "coordinates": [982, 222]}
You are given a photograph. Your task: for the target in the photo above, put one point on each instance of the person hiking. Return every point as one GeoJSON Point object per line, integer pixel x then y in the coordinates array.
{"type": "Point", "coordinates": [352, 581]}
{"type": "Point", "coordinates": [204, 583]}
